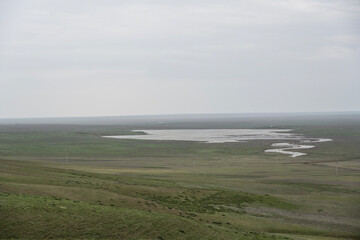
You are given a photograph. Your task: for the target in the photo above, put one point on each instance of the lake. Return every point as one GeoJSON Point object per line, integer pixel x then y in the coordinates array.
{"type": "Point", "coordinates": [228, 135]}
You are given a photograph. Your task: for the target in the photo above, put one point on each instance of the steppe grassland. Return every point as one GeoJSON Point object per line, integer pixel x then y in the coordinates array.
{"type": "Point", "coordinates": [168, 189]}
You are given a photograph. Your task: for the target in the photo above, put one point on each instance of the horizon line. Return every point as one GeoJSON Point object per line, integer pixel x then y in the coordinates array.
{"type": "Point", "coordinates": [184, 114]}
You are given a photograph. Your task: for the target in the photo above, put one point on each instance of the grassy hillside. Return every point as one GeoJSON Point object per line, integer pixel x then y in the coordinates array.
{"type": "Point", "coordinates": [134, 189]}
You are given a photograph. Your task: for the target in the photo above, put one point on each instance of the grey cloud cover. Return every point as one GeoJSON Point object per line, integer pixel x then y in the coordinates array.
{"type": "Point", "coordinates": [87, 58]}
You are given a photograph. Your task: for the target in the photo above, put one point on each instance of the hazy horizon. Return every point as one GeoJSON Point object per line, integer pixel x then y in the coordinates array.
{"type": "Point", "coordinates": [195, 114]}
{"type": "Point", "coordinates": [127, 58]}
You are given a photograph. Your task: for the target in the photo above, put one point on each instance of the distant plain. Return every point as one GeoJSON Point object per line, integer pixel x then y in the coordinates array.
{"type": "Point", "coordinates": [60, 179]}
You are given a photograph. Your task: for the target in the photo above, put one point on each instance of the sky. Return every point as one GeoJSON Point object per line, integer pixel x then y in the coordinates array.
{"type": "Point", "coordinates": [108, 58]}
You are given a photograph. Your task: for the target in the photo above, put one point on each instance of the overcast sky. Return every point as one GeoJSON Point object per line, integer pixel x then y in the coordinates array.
{"type": "Point", "coordinates": [96, 58]}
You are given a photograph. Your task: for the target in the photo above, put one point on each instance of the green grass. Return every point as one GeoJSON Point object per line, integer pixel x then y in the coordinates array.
{"type": "Point", "coordinates": [51, 217]}
{"type": "Point", "coordinates": [133, 189]}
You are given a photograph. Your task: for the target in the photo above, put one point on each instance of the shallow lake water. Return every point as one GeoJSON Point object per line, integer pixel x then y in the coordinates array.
{"type": "Point", "coordinates": [229, 135]}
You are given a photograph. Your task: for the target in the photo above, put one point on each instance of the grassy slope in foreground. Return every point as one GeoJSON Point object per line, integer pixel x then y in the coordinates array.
{"type": "Point", "coordinates": [151, 189]}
